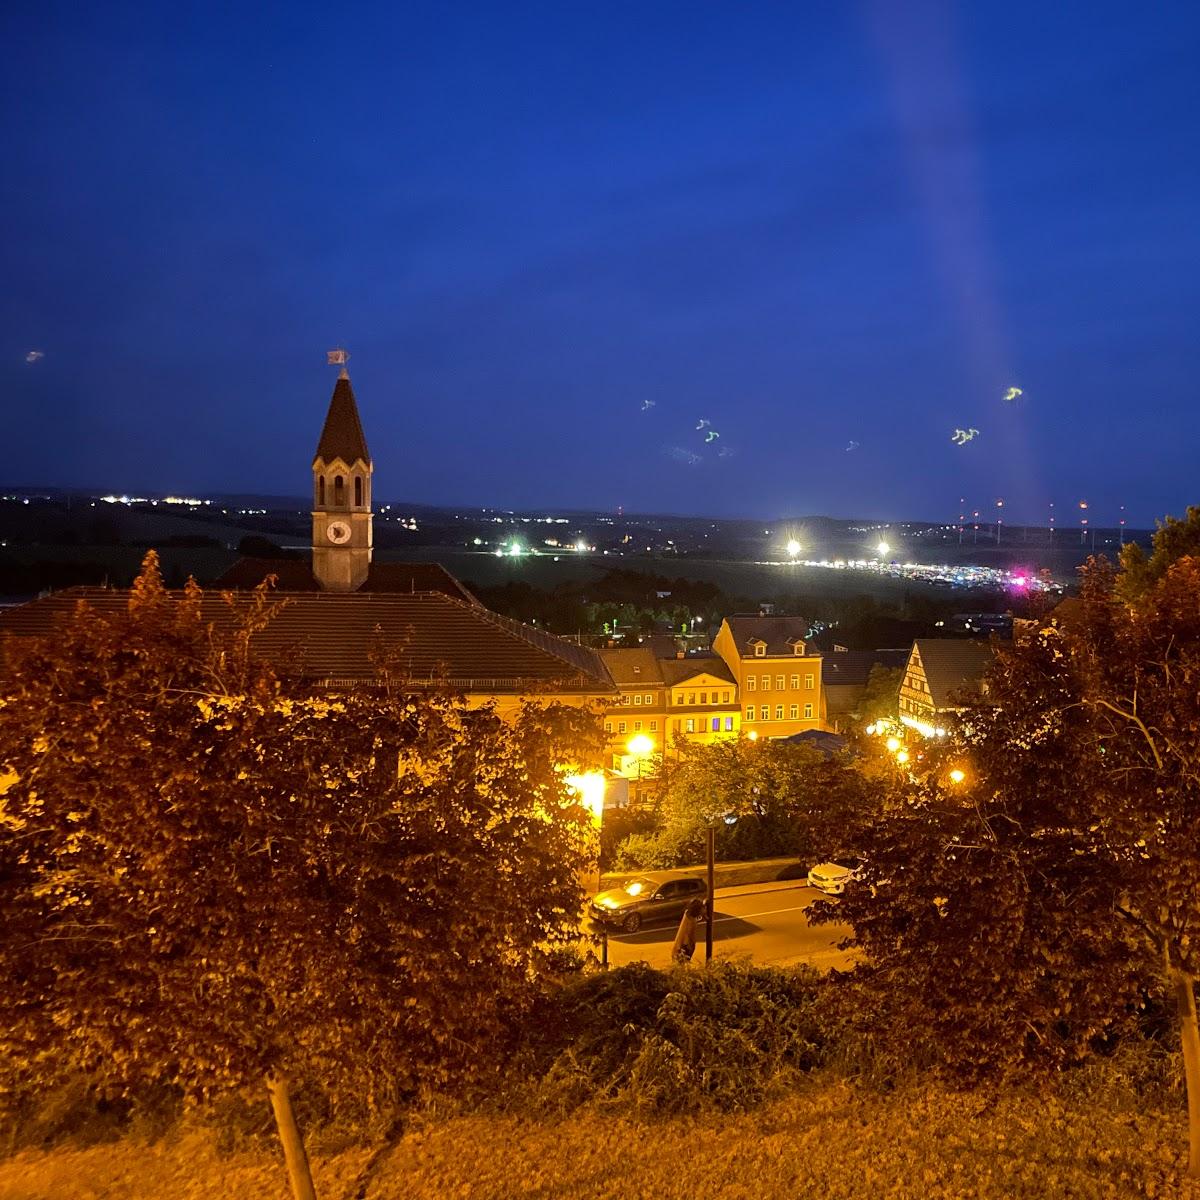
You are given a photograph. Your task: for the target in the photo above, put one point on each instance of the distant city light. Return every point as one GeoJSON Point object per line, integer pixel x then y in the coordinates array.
{"type": "Point", "coordinates": [883, 549]}
{"type": "Point", "coordinates": [793, 547]}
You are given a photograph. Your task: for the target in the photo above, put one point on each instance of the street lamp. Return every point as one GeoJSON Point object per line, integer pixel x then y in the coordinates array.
{"type": "Point", "coordinates": [640, 746]}
{"type": "Point", "coordinates": [957, 775]}
{"type": "Point", "coordinates": [902, 757]}
{"type": "Point", "coordinates": [793, 547]}
{"type": "Point", "coordinates": [893, 744]}
{"type": "Point", "coordinates": [883, 549]}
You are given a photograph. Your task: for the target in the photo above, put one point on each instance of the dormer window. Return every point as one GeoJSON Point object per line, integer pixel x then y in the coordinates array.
{"type": "Point", "coordinates": [760, 649]}
{"type": "Point", "coordinates": [798, 648]}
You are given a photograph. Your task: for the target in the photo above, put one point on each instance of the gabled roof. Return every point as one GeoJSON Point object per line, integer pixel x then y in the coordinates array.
{"type": "Point", "coordinates": [342, 436]}
{"type": "Point", "coordinates": [295, 575]}
{"type": "Point", "coordinates": [680, 670]}
{"type": "Point", "coordinates": [332, 639]}
{"type": "Point", "coordinates": [632, 666]}
{"type": "Point", "coordinates": [952, 665]}
{"type": "Point", "coordinates": [852, 668]}
{"type": "Point", "coordinates": [778, 634]}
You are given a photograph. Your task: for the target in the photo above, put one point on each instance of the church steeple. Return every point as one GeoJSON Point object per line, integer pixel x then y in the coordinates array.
{"type": "Point", "coordinates": [342, 533]}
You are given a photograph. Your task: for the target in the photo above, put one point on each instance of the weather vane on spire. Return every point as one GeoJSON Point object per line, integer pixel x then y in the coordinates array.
{"type": "Point", "coordinates": [339, 358]}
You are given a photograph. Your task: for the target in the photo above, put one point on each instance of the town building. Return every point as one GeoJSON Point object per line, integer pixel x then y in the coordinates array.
{"type": "Point", "coordinates": [844, 678]}
{"type": "Point", "coordinates": [776, 672]}
{"type": "Point", "coordinates": [939, 673]}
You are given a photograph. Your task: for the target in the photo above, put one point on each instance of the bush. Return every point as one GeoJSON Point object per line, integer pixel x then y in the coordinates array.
{"type": "Point", "coordinates": [655, 1042]}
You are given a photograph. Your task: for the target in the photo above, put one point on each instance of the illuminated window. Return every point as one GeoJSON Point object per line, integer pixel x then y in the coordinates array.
{"type": "Point", "coordinates": [779, 683]}
{"type": "Point", "coordinates": [637, 699]}
{"type": "Point", "coordinates": [691, 725]}
{"type": "Point", "coordinates": [766, 713]}
{"type": "Point", "coordinates": [808, 712]}
{"type": "Point", "coordinates": [808, 681]}
{"type": "Point", "coordinates": [766, 686]}
{"type": "Point", "coordinates": [751, 683]}
{"type": "Point", "coordinates": [716, 724]}
{"type": "Point", "coordinates": [728, 724]}
{"type": "Point", "coordinates": [779, 712]}
{"type": "Point", "coordinates": [794, 712]}
{"type": "Point", "coordinates": [760, 650]}
{"type": "Point", "coordinates": [795, 682]}
{"type": "Point", "coordinates": [750, 712]}
{"type": "Point", "coordinates": [649, 699]}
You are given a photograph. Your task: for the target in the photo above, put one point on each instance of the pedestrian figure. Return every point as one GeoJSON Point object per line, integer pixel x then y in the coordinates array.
{"type": "Point", "coordinates": [685, 937]}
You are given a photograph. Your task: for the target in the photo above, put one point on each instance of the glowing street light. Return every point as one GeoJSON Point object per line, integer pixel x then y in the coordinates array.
{"type": "Point", "coordinates": [640, 744]}
{"type": "Point", "coordinates": [902, 757]}
{"type": "Point", "coordinates": [957, 775]}
{"type": "Point", "coordinates": [883, 549]}
{"type": "Point", "coordinates": [590, 787]}
{"type": "Point", "coordinates": [793, 548]}
{"type": "Point", "coordinates": [893, 744]}
{"type": "Point", "coordinates": [753, 735]}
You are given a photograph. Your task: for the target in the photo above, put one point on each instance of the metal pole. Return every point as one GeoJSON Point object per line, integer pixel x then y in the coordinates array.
{"type": "Point", "coordinates": [708, 924]}
{"type": "Point", "coordinates": [604, 946]}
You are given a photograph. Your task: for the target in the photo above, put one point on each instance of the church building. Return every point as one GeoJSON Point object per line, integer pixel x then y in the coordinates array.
{"type": "Point", "coordinates": [342, 615]}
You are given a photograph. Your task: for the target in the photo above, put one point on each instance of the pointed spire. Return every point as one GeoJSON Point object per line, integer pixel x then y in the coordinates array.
{"type": "Point", "coordinates": [343, 436]}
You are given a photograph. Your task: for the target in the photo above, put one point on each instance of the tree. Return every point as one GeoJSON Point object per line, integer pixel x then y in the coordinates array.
{"type": "Point", "coordinates": [882, 697]}
{"type": "Point", "coordinates": [765, 797]}
{"type": "Point", "coordinates": [1020, 916]}
{"type": "Point", "coordinates": [213, 880]}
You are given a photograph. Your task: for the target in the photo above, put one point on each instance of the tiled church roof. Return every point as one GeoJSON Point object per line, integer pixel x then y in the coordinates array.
{"type": "Point", "coordinates": [332, 640]}
{"type": "Point", "coordinates": [295, 575]}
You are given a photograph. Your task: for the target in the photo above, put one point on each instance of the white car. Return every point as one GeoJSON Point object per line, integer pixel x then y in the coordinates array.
{"type": "Point", "coordinates": [832, 877]}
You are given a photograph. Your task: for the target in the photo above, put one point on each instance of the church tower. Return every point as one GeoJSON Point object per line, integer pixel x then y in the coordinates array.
{"type": "Point", "coordinates": [342, 536]}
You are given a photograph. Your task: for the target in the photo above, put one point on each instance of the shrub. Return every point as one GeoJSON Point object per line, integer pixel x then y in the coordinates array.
{"type": "Point", "coordinates": [655, 1042]}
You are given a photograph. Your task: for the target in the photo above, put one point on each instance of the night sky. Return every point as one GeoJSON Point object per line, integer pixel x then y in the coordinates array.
{"type": "Point", "coordinates": [556, 238]}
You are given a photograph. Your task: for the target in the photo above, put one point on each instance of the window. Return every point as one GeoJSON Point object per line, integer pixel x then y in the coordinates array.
{"type": "Point", "coordinates": [637, 727]}
{"type": "Point", "coordinates": [608, 727]}
{"type": "Point", "coordinates": [750, 712]}
{"type": "Point", "coordinates": [779, 712]}
{"type": "Point", "coordinates": [624, 699]}
{"type": "Point", "coordinates": [779, 683]}
{"type": "Point", "coordinates": [676, 723]}
{"type": "Point", "coordinates": [766, 683]}
{"type": "Point", "coordinates": [760, 649]}
{"type": "Point", "coordinates": [751, 683]}
{"type": "Point", "coordinates": [621, 727]}
{"type": "Point", "coordinates": [691, 725]}
{"type": "Point", "coordinates": [358, 491]}
{"type": "Point", "coordinates": [716, 724]}
{"type": "Point", "coordinates": [808, 682]}
{"type": "Point", "coordinates": [794, 712]}
{"type": "Point", "coordinates": [637, 699]}
{"type": "Point", "coordinates": [321, 492]}
{"type": "Point", "coordinates": [724, 697]}
{"type": "Point", "coordinates": [728, 724]}
{"type": "Point", "coordinates": [795, 682]}
{"type": "Point", "coordinates": [808, 712]}
{"type": "Point", "coordinates": [653, 726]}
{"type": "Point", "coordinates": [648, 699]}
{"type": "Point", "coordinates": [797, 647]}
{"type": "Point", "coordinates": [691, 697]}
{"type": "Point", "coordinates": [703, 697]}
{"type": "Point", "coordinates": [339, 491]}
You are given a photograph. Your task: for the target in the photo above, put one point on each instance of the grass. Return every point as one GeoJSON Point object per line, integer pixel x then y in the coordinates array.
{"type": "Point", "coordinates": [834, 1139]}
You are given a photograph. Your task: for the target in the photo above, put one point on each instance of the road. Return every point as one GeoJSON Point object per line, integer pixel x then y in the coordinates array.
{"type": "Point", "coordinates": [763, 922]}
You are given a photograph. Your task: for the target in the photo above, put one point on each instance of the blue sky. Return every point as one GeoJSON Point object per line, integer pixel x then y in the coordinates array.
{"type": "Point", "coordinates": [557, 237]}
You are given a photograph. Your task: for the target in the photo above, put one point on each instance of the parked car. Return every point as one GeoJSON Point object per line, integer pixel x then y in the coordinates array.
{"type": "Point", "coordinates": [643, 899]}
{"type": "Point", "coordinates": [832, 877]}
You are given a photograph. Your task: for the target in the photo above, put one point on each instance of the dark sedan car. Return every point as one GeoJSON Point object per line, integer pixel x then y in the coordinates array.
{"type": "Point", "coordinates": [643, 899]}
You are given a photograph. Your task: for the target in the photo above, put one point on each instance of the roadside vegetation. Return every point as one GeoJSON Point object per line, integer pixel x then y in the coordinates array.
{"type": "Point", "coordinates": [232, 911]}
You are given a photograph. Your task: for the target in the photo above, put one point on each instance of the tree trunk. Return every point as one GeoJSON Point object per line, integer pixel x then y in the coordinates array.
{"type": "Point", "coordinates": [293, 1144]}
{"type": "Point", "coordinates": [1189, 1032]}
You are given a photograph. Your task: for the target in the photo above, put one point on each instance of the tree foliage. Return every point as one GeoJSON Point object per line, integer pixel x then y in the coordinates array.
{"type": "Point", "coordinates": [765, 797]}
{"type": "Point", "coordinates": [208, 880]}
{"type": "Point", "coordinates": [1024, 915]}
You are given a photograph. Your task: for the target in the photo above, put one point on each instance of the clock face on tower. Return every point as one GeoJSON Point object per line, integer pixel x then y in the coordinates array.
{"type": "Point", "coordinates": [338, 532]}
